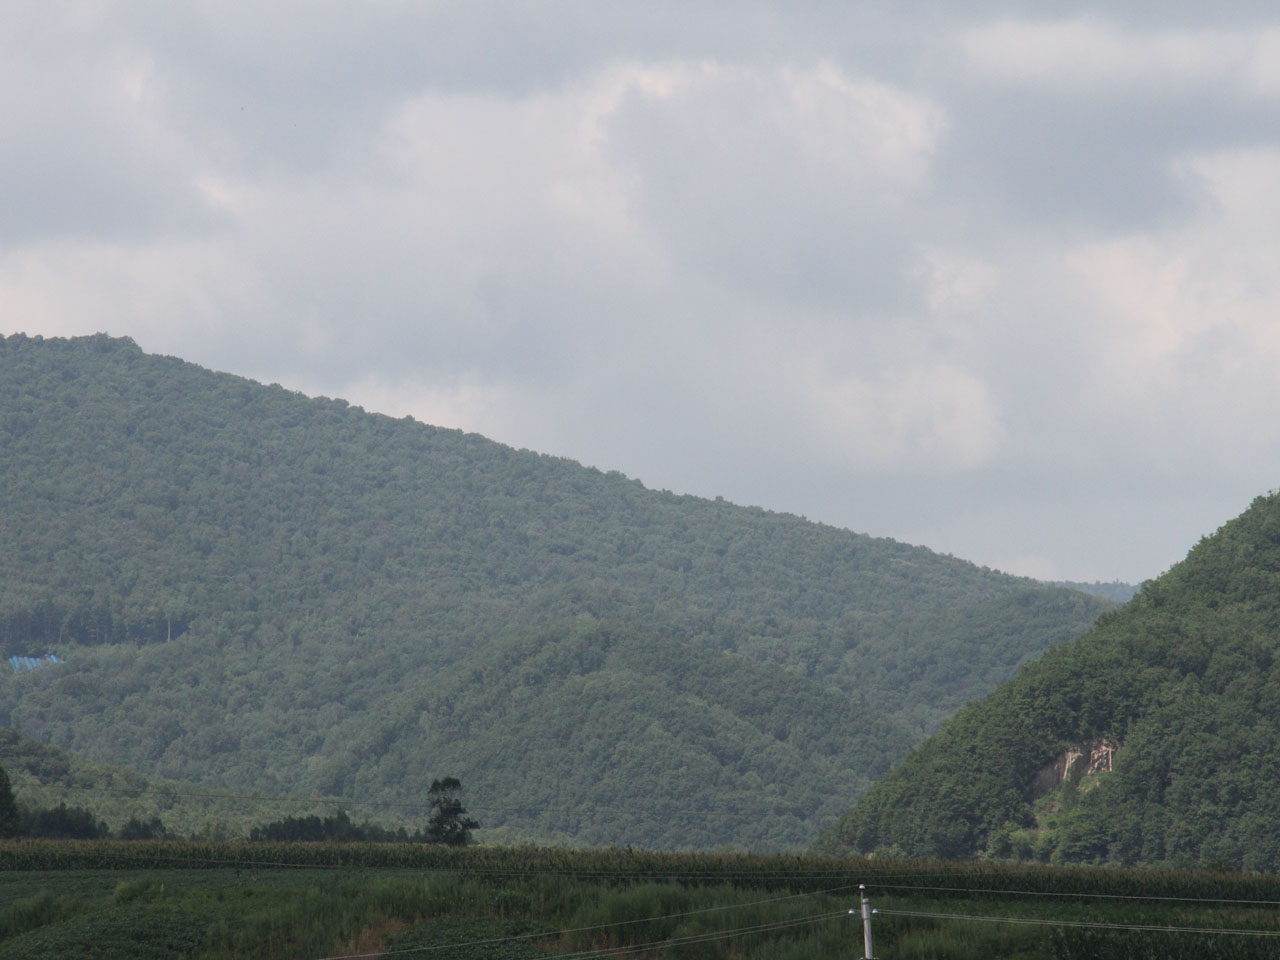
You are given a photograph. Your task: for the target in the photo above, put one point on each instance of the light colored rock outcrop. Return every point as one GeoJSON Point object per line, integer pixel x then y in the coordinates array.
{"type": "Point", "coordinates": [1078, 762]}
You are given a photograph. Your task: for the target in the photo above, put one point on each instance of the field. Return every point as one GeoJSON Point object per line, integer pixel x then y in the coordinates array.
{"type": "Point", "coordinates": [104, 899]}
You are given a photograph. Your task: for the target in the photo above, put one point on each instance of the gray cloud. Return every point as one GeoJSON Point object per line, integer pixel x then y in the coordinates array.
{"type": "Point", "coordinates": [1099, 164]}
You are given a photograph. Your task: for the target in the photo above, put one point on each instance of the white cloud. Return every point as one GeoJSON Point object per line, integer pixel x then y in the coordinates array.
{"type": "Point", "coordinates": [932, 417]}
{"type": "Point", "coordinates": [1262, 68]}
{"type": "Point", "coordinates": [957, 283]}
{"type": "Point", "coordinates": [87, 148]}
{"type": "Point", "coordinates": [167, 295]}
{"type": "Point", "coordinates": [466, 402]}
{"type": "Point", "coordinates": [1193, 338]}
{"type": "Point", "coordinates": [861, 131]}
{"type": "Point", "coordinates": [860, 398]}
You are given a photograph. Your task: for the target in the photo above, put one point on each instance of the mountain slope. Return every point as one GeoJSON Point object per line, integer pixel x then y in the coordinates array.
{"type": "Point", "coordinates": [277, 594]}
{"type": "Point", "coordinates": [711, 746]}
{"type": "Point", "coordinates": [1174, 699]}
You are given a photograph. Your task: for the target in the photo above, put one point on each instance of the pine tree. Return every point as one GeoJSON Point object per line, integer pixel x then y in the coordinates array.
{"type": "Point", "coordinates": [449, 822]}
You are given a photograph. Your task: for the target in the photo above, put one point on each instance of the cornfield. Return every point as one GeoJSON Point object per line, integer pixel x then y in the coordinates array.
{"type": "Point", "coordinates": [311, 901]}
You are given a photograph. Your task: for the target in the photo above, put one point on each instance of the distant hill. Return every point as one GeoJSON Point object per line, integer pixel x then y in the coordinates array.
{"type": "Point", "coordinates": [276, 594]}
{"type": "Point", "coordinates": [1113, 590]}
{"type": "Point", "coordinates": [1153, 739]}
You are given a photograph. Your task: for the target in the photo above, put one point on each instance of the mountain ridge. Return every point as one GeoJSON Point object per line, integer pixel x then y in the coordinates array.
{"type": "Point", "coordinates": [245, 582]}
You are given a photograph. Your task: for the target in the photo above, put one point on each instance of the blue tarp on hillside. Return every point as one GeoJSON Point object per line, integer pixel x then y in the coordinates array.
{"type": "Point", "coordinates": [23, 664]}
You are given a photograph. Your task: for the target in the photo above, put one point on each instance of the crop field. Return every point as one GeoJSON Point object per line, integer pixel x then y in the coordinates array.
{"type": "Point", "coordinates": [168, 899]}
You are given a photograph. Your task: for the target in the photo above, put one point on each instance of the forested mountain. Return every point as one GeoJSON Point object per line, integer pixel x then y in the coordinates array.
{"type": "Point", "coordinates": [1153, 739]}
{"type": "Point", "coordinates": [278, 594]}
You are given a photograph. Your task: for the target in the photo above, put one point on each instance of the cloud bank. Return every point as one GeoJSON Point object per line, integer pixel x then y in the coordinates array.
{"type": "Point", "coordinates": [998, 281]}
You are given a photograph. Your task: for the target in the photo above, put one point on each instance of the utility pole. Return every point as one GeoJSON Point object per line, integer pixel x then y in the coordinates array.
{"type": "Point", "coordinates": [867, 952]}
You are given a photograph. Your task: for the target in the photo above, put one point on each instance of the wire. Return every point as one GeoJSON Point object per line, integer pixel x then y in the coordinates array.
{"type": "Point", "coordinates": [1091, 896]}
{"type": "Point", "coordinates": [698, 938]}
{"type": "Point", "coordinates": [706, 937]}
{"type": "Point", "coordinates": [673, 874]}
{"type": "Point", "coordinates": [614, 950]}
{"type": "Point", "coordinates": [151, 857]}
{"type": "Point", "coordinates": [257, 798]}
{"type": "Point", "coordinates": [1098, 924]}
{"type": "Point", "coordinates": [357, 862]}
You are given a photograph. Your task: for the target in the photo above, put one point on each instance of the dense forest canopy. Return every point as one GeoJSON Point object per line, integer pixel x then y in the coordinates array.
{"type": "Point", "coordinates": [1179, 691]}
{"type": "Point", "coordinates": [276, 594]}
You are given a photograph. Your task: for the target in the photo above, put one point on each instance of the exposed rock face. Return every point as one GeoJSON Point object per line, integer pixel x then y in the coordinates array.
{"type": "Point", "coordinates": [1077, 762]}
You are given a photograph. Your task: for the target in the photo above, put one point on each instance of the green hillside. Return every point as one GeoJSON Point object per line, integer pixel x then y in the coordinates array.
{"type": "Point", "coordinates": [276, 594]}
{"type": "Point", "coordinates": [1174, 699]}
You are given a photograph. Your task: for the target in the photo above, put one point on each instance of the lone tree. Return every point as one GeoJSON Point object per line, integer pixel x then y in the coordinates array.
{"type": "Point", "coordinates": [449, 822]}
{"type": "Point", "coordinates": [8, 807]}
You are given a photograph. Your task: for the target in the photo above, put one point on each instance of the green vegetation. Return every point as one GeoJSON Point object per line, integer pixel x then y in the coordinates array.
{"type": "Point", "coordinates": [267, 594]}
{"type": "Point", "coordinates": [8, 807]}
{"type": "Point", "coordinates": [118, 793]}
{"type": "Point", "coordinates": [1184, 681]}
{"type": "Point", "coordinates": [42, 777]}
{"type": "Point", "coordinates": [216, 901]}
{"type": "Point", "coordinates": [74, 823]}
{"type": "Point", "coordinates": [449, 822]}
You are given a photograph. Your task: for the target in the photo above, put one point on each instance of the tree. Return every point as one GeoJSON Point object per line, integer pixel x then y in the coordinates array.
{"type": "Point", "coordinates": [8, 807]}
{"type": "Point", "coordinates": [449, 822]}
{"type": "Point", "coordinates": [135, 829]}
{"type": "Point", "coordinates": [76, 823]}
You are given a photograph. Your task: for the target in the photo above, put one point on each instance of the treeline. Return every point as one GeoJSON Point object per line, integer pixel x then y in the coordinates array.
{"type": "Point", "coordinates": [72, 823]}
{"type": "Point", "coordinates": [64, 822]}
{"type": "Point", "coordinates": [76, 823]}
{"type": "Point", "coordinates": [340, 828]}
{"type": "Point", "coordinates": [79, 823]}
{"type": "Point", "coordinates": [448, 824]}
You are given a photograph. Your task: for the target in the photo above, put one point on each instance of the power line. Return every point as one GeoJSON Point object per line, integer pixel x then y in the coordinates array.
{"type": "Point", "coordinates": [672, 873]}
{"type": "Point", "coordinates": [358, 863]}
{"type": "Point", "coordinates": [529, 873]}
{"type": "Point", "coordinates": [615, 950]}
{"type": "Point", "coordinates": [1091, 896]}
{"type": "Point", "coordinates": [1099, 924]}
{"type": "Point", "coordinates": [94, 849]}
{"type": "Point", "coordinates": [706, 937]}
{"type": "Point", "coordinates": [257, 798]}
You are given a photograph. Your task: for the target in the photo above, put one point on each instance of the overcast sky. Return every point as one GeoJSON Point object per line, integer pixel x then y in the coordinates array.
{"type": "Point", "coordinates": [1001, 279]}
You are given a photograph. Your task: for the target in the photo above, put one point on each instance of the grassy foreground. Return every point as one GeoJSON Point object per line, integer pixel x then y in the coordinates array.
{"type": "Point", "coordinates": [103, 899]}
